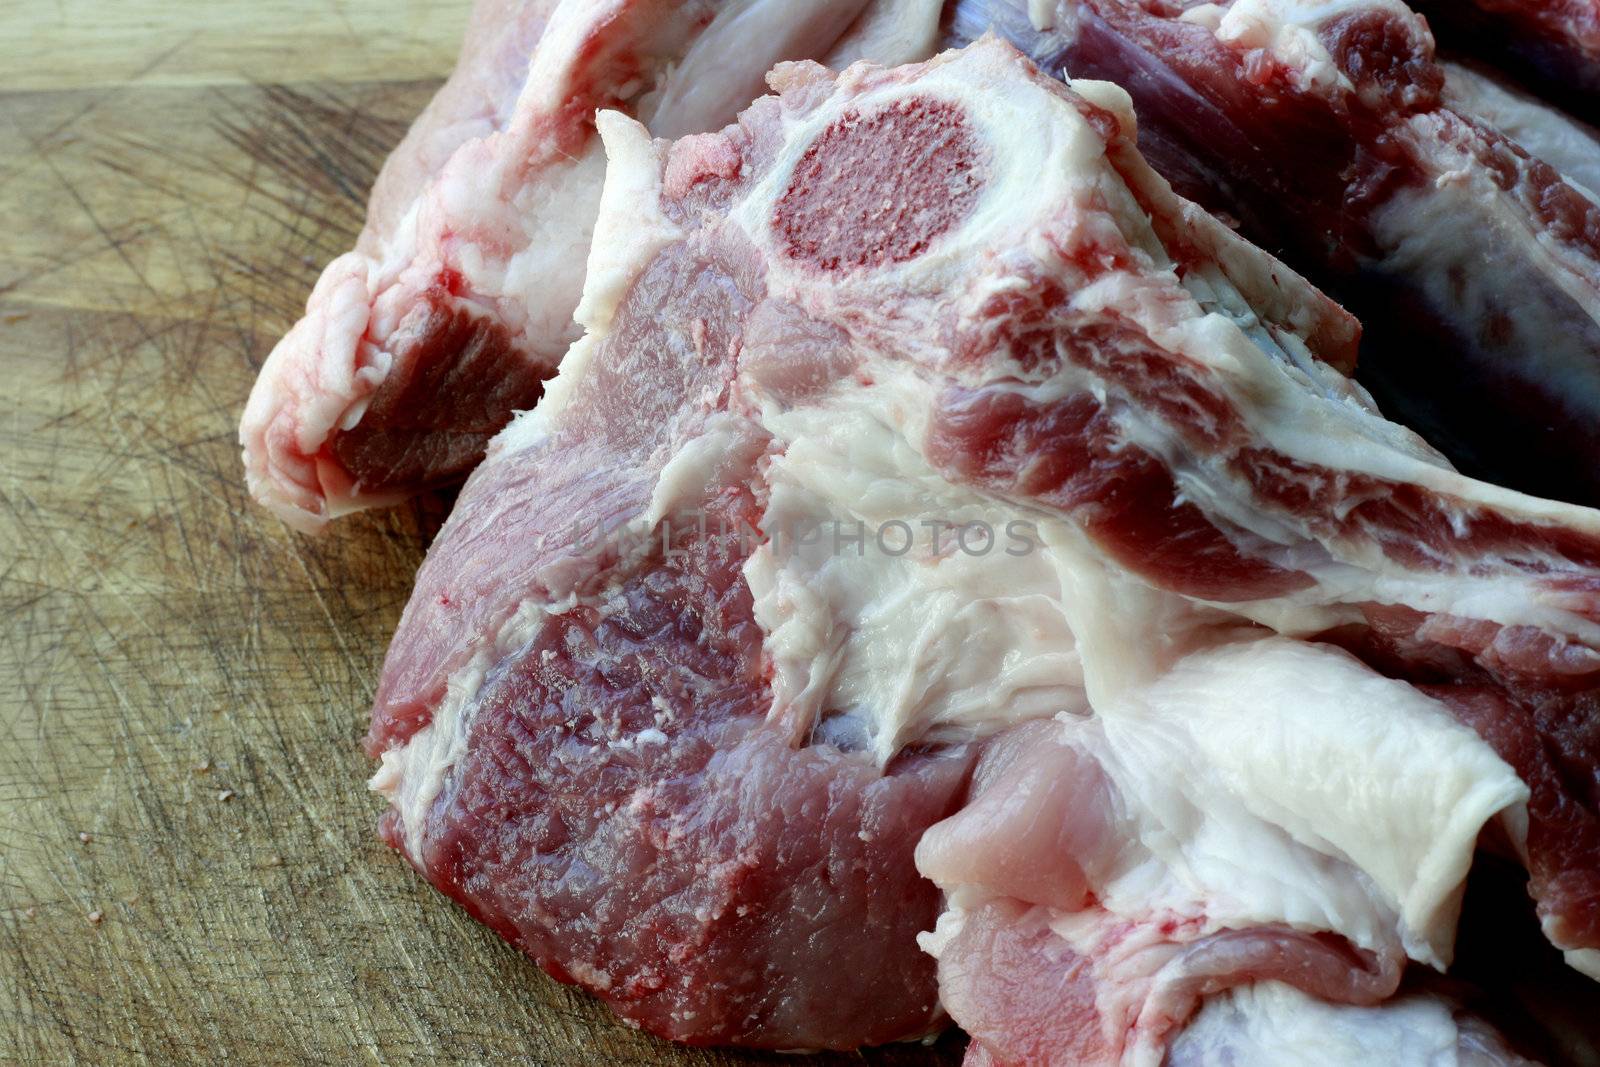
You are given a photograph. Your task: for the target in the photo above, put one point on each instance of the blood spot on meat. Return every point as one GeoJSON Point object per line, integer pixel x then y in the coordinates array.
{"type": "Point", "coordinates": [879, 188]}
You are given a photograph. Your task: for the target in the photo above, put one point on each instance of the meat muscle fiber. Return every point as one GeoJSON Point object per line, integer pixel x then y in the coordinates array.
{"type": "Point", "coordinates": [649, 723]}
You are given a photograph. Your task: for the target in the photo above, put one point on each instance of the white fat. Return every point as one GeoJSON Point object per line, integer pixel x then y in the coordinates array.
{"type": "Point", "coordinates": [1272, 763]}
{"type": "Point", "coordinates": [1270, 1024]}
{"type": "Point", "coordinates": [530, 427]}
{"type": "Point", "coordinates": [631, 229]}
{"type": "Point", "coordinates": [559, 214]}
{"type": "Point", "coordinates": [562, 49]}
{"type": "Point", "coordinates": [412, 776]}
{"type": "Point", "coordinates": [1255, 782]}
{"type": "Point", "coordinates": [1265, 771]}
{"type": "Point", "coordinates": [1287, 29]}
{"type": "Point", "coordinates": [945, 928]}
{"type": "Point", "coordinates": [398, 248]}
{"type": "Point", "coordinates": [1561, 141]}
{"type": "Point", "coordinates": [906, 628]}
{"type": "Point", "coordinates": [1584, 961]}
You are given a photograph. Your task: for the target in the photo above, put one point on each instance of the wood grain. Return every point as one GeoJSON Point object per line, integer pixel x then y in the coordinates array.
{"type": "Point", "coordinates": [188, 870]}
{"type": "Point", "coordinates": [76, 44]}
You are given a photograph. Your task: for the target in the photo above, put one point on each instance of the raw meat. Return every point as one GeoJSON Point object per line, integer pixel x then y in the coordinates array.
{"type": "Point", "coordinates": [475, 102]}
{"type": "Point", "coordinates": [456, 304]}
{"type": "Point", "coordinates": [713, 636]}
{"type": "Point", "coordinates": [313, 397]}
{"type": "Point", "coordinates": [1320, 128]}
{"type": "Point", "coordinates": [1210, 826]}
{"type": "Point", "coordinates": [418, 346]}
{"type": "Point", "coordinates": [1570, 146]}
{"type": "Point", "coordinates": [1554, 44]}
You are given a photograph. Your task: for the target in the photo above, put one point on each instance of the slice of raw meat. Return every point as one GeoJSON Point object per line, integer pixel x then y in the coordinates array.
{"type": "Point", "coordinates": [1320, 128]}
{"type": "Point", "coordinates": [873, 383]}
{"type": "Point", "coordinates": [418, 346]}
{"type": "Point", "coordinates": [576, 727]}
{"type": "Point", "coordinates": [1553, 44]}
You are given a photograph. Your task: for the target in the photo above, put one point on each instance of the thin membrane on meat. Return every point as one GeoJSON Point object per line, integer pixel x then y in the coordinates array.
{"type": "Point", "coordinates": [926, 462]}
{"type": "Point", "coordinates": [419, 345]}
{"type": "Point", "coordinates": [1241, 809]}
{"type": "Point", "coordinates": [1269, 1024]}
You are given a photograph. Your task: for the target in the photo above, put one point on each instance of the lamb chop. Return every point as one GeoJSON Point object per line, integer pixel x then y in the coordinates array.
{"type": "Point", "coordinates": [916, 420]}
{"type": "Point", "coordinates": [456, 304]}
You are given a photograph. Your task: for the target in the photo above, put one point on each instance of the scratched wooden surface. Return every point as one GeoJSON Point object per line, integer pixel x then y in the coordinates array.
{"type": "Point", "coordinates": [188, 872]}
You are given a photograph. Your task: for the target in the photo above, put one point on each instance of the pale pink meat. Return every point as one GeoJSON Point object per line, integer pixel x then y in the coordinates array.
{"type": "Point", "coordinates": [587, 720]}
{"type": "Point", "coordinates": [476, 101]}
{"type": "Point", "coordinates": [1039, 971]}
{"type": "Point", "coordinates": [1027, 997]}
{"type": "Point", "coordinates": [419, 345]}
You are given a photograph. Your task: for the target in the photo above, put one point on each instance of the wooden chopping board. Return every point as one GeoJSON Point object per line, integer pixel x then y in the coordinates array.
{"type": "Point", "coordinates": [188, 868]}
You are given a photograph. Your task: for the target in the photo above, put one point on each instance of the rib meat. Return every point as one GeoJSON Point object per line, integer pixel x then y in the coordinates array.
{"type": "Point", "coordinates": [1569, 145]}
{"type": "Point", "coordinates": [676, 698]}
{"type": "Point", "coordinates": [456, 304]}
{"type": "Point", "coordinates": [1322, 130]}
